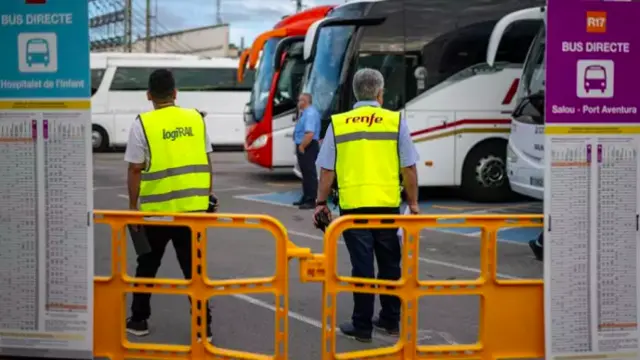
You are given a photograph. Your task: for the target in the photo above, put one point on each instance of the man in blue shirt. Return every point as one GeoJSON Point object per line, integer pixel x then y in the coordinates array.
{"type": "Point", "coordinates": [306, 135]}
{"type": "Point", "coordinates": [365, 246]}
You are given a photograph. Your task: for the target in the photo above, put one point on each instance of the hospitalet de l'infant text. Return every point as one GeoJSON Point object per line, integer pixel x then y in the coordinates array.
{"type": "Point", "coordinates": [42, 84]}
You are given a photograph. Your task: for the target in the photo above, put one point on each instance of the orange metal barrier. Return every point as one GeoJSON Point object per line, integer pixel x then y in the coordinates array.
{"type": "Point", "coordinates": [507, 328]}
{"type": "Point", "coordinates": [109, 294]}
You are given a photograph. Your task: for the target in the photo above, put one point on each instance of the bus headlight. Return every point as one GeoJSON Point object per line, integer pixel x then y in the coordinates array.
{"type": "Point", "coordinates": [511, 156]}
{"type": "Point", "coordinates": [259, 142]}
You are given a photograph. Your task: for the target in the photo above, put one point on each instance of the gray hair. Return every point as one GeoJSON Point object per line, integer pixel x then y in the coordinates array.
{"type": "Point", "coordinates": [367, 84]}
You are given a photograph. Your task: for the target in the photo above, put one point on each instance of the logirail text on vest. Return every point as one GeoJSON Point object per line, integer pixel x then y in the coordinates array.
{"type": "Point", "coordinates": [176, 133]}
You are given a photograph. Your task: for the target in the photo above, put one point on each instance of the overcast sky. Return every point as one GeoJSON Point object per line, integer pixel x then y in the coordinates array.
{"type": "Point", "coordinates": [247, 18]}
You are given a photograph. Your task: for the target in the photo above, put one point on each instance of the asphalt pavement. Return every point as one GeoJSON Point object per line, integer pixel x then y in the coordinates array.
{"type": "Point", "coordinates": [247, 322]}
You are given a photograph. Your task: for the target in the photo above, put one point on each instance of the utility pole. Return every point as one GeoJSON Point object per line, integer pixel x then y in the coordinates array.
{"type": "Point", "coordinates": [219, 12]}
{"type": "Point", "coordinates": [147, 41]}
{"type": "Point", "coordinates": [128, 25]}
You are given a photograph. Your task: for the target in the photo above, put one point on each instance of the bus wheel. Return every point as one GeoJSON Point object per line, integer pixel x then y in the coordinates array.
{"type": "Point", "coordinates": [99, 139]}
{"type": "Point", "coordinates": [484, 175]}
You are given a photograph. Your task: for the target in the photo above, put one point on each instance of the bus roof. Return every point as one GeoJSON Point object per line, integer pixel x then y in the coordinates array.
{"type": "Point", "coordinates": [315, 12]}
{"type": "Point", "coordinates": [293, 25]}
{"type": "Point", "coordinates": [97, 63]}
{"type": "Point", "coordinates": [145, 56]}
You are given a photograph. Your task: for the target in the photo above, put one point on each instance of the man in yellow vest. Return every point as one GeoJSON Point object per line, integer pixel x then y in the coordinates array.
{"type": "Point", "coordinates": [366, 150]}
{"type": "Point", "coordinates": [169, 171]}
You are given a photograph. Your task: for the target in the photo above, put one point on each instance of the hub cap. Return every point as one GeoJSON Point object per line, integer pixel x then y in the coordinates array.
{"type": "Point", "coordinates": [491, 172]}
{"type": "Point", "coordinates": [96, 138]}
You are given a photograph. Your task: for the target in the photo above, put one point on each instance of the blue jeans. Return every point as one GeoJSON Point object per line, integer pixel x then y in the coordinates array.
{"type": "Point", "coordinates": [363, 246]}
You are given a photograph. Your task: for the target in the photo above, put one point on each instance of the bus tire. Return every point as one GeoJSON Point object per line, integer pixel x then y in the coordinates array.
{"type": "Point", "coordinates": [484, 174]}
{"type": "Point", "coordinates": [99, 138]}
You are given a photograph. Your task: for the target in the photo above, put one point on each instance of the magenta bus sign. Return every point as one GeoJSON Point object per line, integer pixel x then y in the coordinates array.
{"type": "Point", "coordinates": [593, 62]}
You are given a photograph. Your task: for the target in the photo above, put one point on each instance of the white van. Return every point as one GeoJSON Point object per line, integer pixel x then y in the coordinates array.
{"type": "Point", "coordinates": [119, 86]}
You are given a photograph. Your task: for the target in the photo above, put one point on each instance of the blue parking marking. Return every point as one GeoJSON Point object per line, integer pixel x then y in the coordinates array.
{"type": "Point", "coordinates": [444, 207]}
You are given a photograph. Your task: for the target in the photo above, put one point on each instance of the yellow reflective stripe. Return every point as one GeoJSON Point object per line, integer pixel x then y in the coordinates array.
{"type": "Point", "coordinates": [366, 135]}
{"type": "Point", "coordinates": [182, 170]}
{"type": "Point", "coordinates": [174, 195]}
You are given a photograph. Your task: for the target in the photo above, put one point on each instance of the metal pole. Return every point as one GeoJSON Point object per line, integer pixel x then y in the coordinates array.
{"type": "Point", "coordinates": [128, 25]}
{"type": "Point", "coordinates": [219, 12]}
{"type": "Point", "coordinates": [148, 28]}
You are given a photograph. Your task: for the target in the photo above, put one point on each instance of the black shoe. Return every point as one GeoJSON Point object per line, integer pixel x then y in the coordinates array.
{"type": "Point", "coordinates": [361, 335]}
{"type": "Point", "coordinates": [307, 205]}
{"type": "Point", "coordinates": [137, 327]}
{"type": "Point", "coordinates": [298, 202]}
{"type": "Point", "coordinates": [538, 251]}
{"type": "Point", "coordinates": [387, 329]}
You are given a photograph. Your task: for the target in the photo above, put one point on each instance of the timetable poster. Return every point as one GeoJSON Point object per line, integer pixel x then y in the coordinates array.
{"type": "Point", "coordinates": [592, 127]}
{"type": "Point", "coordinates": [46, 192]}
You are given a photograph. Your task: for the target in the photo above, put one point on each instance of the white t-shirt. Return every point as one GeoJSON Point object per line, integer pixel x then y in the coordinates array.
{"type": "Point", "coordinates": [137, 151]}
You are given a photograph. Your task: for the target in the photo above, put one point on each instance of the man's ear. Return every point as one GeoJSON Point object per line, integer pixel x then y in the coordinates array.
{"type": "Point", "coordinates": [174, 94]}
{"type": "Point", "coordinates": [149, 96]}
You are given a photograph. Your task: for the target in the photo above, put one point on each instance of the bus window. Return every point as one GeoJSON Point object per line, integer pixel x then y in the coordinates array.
{"type": "Point", "coordinates": [130, 79]}
{"type": "Point", "coordinates": [247, 82]}
{"type": "Point", "coordinates": [187, 79]}
{"type": "Point", "coordinates": [393, 69]}
{"type": "Point", "coordinates": [289, 84]}
{"type": "Point", "coordinates": [467, 47]}
{"type": "Point", "coordinates": [516, 41]}
{"type": "Point", "coordinates": [194, 79]}
{"type": "Point", "coordinates": [456, 51]}
{"type": "Point", "coordinates": [96, 79]}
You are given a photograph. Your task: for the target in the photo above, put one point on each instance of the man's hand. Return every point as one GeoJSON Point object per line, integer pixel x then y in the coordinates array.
{"type": "Point", "coordinates": [414, 209]}
{"type": "Point", "coordinates": [321, 209]}
{"type": "Point", "coordinates": [213, 203]}
{"type": "Point", "coordinates": [301, 149]}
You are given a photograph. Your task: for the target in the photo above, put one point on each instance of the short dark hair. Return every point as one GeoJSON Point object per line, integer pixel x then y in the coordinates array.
{"type": "Point", "coordinates": [161, 84]}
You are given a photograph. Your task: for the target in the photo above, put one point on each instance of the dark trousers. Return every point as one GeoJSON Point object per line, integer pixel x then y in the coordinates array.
{"type": "Point", "coordinates": [363, 246]}
{"type": "Point", "coordinates": [307, 163]}
{"type": "Point", "coordinates": [149, 263]}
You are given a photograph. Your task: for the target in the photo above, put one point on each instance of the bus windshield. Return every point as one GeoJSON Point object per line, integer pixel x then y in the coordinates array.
{"type": "Point", "coordinates": [289, 84]}
{"type": "Point", "coordinates": [324, 77]}
{"type": "Point", "coordinates": [262, 84]}
{"type": "Point", "coordinates": [595, 73]}
{"type": "Point", "coordinates": [37, 47]}
{"type": "Point", "coordinates": [533, 72]}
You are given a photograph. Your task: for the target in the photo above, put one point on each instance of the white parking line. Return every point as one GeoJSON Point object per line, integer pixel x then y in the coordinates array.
{"type": "Point", "coordinates": [98, 188]}
{"type": "Point", "coordinates": [424, 260]}
{"type": "Point", "coordinates": [251, 198]}
{"type": "Point", "coordinates": [474, 234]}
{"type": "Point", "coordinates": [235, 188]}
{"type": "Point", "coordinates": [215, 190]}
{"type": "Point", "coordinates": [318, 324]}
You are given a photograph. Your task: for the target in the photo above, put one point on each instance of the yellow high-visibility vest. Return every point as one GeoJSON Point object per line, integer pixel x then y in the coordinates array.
{"type": "Point", "coordinates": [177, 177]}
{"type": "Point", "coordinates": [367, 157]}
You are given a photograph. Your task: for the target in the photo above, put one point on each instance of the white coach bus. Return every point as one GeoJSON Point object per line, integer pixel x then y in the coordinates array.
{"type": "Point", "coordinates": [432, 56]}
{"type": "Point", "coordinates": [119, 86]}
{"type": "Point", "coordinates": [525, 151]}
